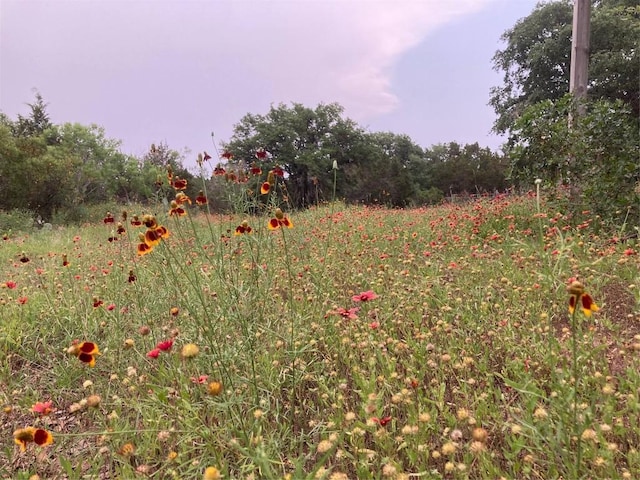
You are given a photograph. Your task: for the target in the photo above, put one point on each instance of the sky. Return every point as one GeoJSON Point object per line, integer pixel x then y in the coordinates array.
{"type": "Point", "coordinates": [174, 71]}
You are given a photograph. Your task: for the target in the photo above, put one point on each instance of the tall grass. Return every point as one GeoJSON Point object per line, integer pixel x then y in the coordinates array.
{"type": "Point", "coordinates": [460, 366]}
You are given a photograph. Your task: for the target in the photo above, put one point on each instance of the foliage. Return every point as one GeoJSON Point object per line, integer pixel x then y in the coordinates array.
{"type": "Point", "coordinates": [598, 154]}
{"type": "Point", "coordinates": [56, 170]}
{"type": "Point", "coordinates": [536, 60]}
{"type": "Point", "coordinates": [378, 168]}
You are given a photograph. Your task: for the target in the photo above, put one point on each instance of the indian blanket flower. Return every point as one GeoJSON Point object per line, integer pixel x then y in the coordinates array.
{"type": "Point", "coordinates": [577, 294]}
{"type": "Point", "coordinates": [39, 436]}
{"type": "Point", "coordinates": [10, 284]}
{"type": "Point", "coordinates": [24, 258]}
{"type": "Point", "coordinates": [243, 228]}
{"type": "Point", "coordinates": [165, 345]}
{"type": "Point", "coordinates": [155, 353]}
{"type": "Point", "coordinates": [42, 408]}
{"type": "Point", "coordinates": [364, 296]}
{"type": "Point", "coordinates": [279, 220]}
{"type": "Point", "coordinates": [85, 351]}
{"type": "Point", "coordinates": [350, 313]}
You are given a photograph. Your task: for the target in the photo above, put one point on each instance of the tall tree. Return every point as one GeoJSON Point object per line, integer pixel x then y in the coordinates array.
{"type": "Point", "coordinates": [535, 62]}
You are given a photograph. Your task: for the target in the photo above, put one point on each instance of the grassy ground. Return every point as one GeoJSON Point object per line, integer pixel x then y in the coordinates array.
{"type": "Point", "coordinates": [257, 355]}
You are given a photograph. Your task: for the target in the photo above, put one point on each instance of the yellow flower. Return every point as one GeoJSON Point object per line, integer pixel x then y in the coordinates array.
{"type": "Point", "coordinates": [211, 473]}
{"type": "Point", "coordinates": [190, 350]}
{"type": "Point", "coordinates": [215, 388]}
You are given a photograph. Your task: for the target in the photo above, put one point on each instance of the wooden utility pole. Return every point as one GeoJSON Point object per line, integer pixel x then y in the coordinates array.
{"type": "Point", "coordinates": [578, 76]}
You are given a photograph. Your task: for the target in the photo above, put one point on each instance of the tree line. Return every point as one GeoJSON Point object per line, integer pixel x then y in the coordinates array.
{"type": "Point", "coordinates": [49, 168]}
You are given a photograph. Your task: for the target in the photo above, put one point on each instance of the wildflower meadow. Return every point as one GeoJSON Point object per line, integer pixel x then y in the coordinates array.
{"type": "Point", "coordinates": [492, 339]}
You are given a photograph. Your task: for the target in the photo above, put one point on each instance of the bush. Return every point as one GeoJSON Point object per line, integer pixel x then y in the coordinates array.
{"type": "Point", "coordinates": [19, 220]}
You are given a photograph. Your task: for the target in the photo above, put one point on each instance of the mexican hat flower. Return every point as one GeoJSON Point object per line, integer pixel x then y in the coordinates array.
{"type": "Point", "coordinates": [577, 294]}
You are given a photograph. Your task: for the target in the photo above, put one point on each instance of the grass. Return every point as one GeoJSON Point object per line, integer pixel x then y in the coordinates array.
{"type": "Point", "coordinates": [461, 367]}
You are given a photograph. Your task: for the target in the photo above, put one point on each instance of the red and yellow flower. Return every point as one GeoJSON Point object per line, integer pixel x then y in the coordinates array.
{"type": "Point", "coordinates": [577, 294]}
{"type": "Point", "coordinates": [279, 220]}
{"type": "Point", "coordinates": [201, 199]}
{"type": "Point", "coordinates": [243, 228]}
{"type": "Point", "coordinates": [39, 436]}
{"type": "Point", "coordinates": [176, 210]}
{"type": "Point", "coordinates": [86, 352]}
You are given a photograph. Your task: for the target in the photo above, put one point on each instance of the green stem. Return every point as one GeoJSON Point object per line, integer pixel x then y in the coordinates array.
{"type": "Point", "coordinates": [574, 342]}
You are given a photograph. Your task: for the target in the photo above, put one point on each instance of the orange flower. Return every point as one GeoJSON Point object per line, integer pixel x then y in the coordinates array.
{"type": "Point", "coordinates": [38, 436]}
{"type": "Point", "coordinates": [578, 294]}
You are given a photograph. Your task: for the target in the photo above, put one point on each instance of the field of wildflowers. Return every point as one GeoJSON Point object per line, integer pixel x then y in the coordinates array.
{"type": "Point", "coordinates": [492, 340]}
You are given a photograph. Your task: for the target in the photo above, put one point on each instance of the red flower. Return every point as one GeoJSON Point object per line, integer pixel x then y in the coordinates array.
{"type": "Point", "coordinates": [22, 300]}
{"type": "Point", "coordinates": [165, 346]}
{"type": "Point", "coordinates": [200, 380]}
{"type": "Point", "coordinates": [219, 171]}
{"type": "Point", "coordinates": [350, 313]}
{"type": "Point", "coordinates": [265, 188]}
{"type": "Point", "coordinates": [43, 408]}
{"type": "Point", "coordinates": [277, 171]}
{"type": "Point", "coordinates": [364, 296]}
{"type": "Point", "coordinates": [381, 421]}
{"type": "Point", "coordinates": [201, 199]}
{"type": "Point", "coordinates": [227, 155]}
{"type": "Point", "coordinates": [255, 169]}
{"type": "Point", "coordinates": [155, 353]}
{"type": "Point", "coordinates": [109, 218]}
{"type": "Point", "coordinates": [243, 228]}
{"type": "Point", "coordinates": [11, 285]}
{"type": "Point", "coordinates": [180, 184]}
{"type": "Point", "coordinates": [97, 302]}
{"type": "Point", "coordinates": [206, 156]}
{"type": "Point", "coordinates": [261, 154]}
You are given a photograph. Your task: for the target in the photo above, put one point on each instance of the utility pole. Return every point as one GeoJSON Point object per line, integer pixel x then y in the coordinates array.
{"type": "Point", "coordinates": [578, 79]}
{"type": "Point", "coordinates": [578, 76]}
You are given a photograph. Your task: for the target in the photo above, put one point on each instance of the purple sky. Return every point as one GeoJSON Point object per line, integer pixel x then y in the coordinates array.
{"type": "Point", "coordinates": [174, 71]}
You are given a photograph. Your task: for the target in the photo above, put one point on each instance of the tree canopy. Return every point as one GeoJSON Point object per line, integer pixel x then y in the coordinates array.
{"type": "Point", "coordinates": [536, 59]}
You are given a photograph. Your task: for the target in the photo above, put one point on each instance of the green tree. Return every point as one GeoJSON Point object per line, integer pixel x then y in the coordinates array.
{"type": "Point", "coordinates": [536, 59]}
{"type": "Point", "coordinates": [304, 142]}
{"type": "Point", "coordinates": [597, 156]}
